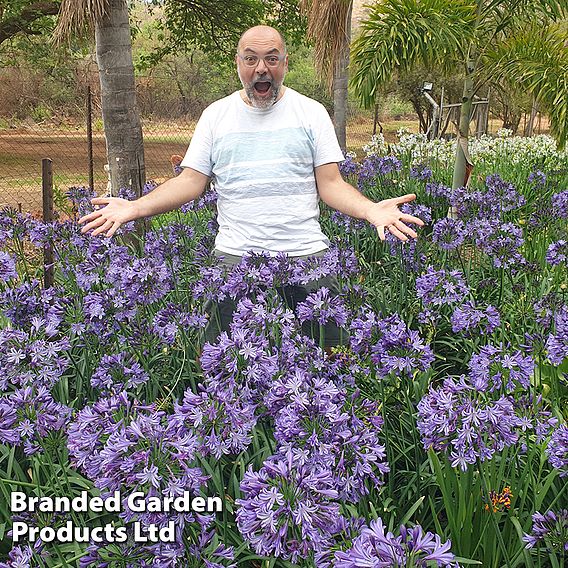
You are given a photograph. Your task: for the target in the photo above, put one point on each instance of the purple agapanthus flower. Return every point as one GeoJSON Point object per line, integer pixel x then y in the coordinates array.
{"type": "Point", "coordinates": [557, 342]}
{"type": "Point", "coordinates": [549, 529]}
{"type": "Point", "coordinates": [559, 205]}
{"type": "Point", "coordinates": [537, 178]}
{"type": "Point", "coordinates": [437, 190]}
{"type": "Point", "coordinates": [374, 167]}
{"type": "Point", "coordinates": [448, 233]}
{"type": "Point", "coordinates": [501, 241]}
{"type": "Point", "coordinates": [349, 166]}
{"type": "Point", "coordinates": [452, 418]}
{"type": "Point", "coordinates": [470, 320]}
{"type": "Point", "coordinates": [7, 267]}
{"type": "Point", "coordinates": [28, 416]}
{"type": "Point", "coordinates": [322, 307]}
{"type": "Point", "coordinates": [376, 547]}
{"type": "Point", "coordinates": [440, 287]}
{"type": "Point", "coordinates": [287, 509]}
{"type": "Point", "coordinates": [557, 252]}
{"type": "Point", "coordinates": [493, 369]}
{"type": "Point", "coordinates": [117, 372]}
{"type": "Point", "coordinates": [19, 557]}
{"type": "Point", "coordinates": [557, 450]}
{"type": "Point", "coordinates": [421, 172]}
{"type": "Point", "coordinates": [546, 307]}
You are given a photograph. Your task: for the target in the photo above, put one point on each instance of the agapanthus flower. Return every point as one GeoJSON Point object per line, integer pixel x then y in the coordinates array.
{"type": "Point", "coordinates": [448, 233]}
{"type": "Point", "coordinates": [439, 287]}
{"type": "Point", "coordinates": [502, 242]}
{"type": "Point", "coordinates": [473, 204]}
{"type": "Point", "coordinates": [557, 342]}
{"type": "Point", "coordinates": [173, 319]}
{"type": "Point", "coordinates": [117, 372]}
{"type": "Point", "coordinates": [7, 267]}
{"type": "Point", "coordinates": [559, 205]}
{"type": "Point", "coordinates": [330, 429]}
{"type": "Point", "coordinates": [322, 307]}
{"type": "Point", "coordinates": [452, 418]}
{"type": "Point", "coordinates": [471, 320]}
{"type": "Point", "coordinates": [19, 557]}
{"type": "Point", "coordinates": [421, 172]}
{"type": "Point", "coordinates": [546, 307]}
{"type": "Point", "coordinates": [399, 350]}
{"type": "Point", "coordinates": [349, 166]}
{"type": "Point", "coordinates": [537, 178]}
{"type": "Point", "coordinates": [550, 529]}
{"type": "Point", "coordinates": [28, 416]}
{"type": "Point", "coordinates": [557, 252]}
{"type": "Point", "coordinates": [376, 547]}
{"type": "Point", "coordinates": [374, 166]}
{"type": "Point", "coordinates": [222, 421]}
{"type": "Point", "coordinates": [287, 508]}
{"type": "Point", "coordinates": [505, 196]}
{"type": "Point", "coordinates": [493, 369]}
{"type": "Point", "coordinates": [437, 190]}
{"type": "Point", "coordinates": [557, 450]}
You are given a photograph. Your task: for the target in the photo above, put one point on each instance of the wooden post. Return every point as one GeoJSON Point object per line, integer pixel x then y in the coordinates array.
{"type": "Point", "coordinates": [47, 191]}
{"type": "Point", "coordinates": [90, 137]}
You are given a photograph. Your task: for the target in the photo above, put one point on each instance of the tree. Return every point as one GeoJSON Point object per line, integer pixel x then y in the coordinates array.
{"type": "Point", "coordinates": [329, 27]}
{"type": "Point", "coordinates": [123, 130]}
{"type": "Point", "coordinates": [474, 34]}
{"type": "Point", "coordinates": [28, 17]}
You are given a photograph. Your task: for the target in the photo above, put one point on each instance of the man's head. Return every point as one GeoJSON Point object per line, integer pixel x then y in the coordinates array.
{"type": "Point", "coordinates": [262, 62]}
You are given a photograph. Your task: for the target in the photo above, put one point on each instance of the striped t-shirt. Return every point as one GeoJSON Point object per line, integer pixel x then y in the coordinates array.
{"type": "Point", "coordinates": [262, 165]}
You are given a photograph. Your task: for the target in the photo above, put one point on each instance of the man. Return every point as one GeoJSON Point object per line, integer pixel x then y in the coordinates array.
{"type": "Point", "coordinates": [271, 153]}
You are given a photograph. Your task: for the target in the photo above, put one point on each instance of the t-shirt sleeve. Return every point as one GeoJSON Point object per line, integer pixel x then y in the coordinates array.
{"type": "Point", "coordinates": [198, 155]}
{"type": "Point", "coordinates": [327, 149]}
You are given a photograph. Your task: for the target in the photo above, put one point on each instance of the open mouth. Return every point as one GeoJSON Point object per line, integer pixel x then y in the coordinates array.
{"type": "Point", "coordinates": [262, 87]}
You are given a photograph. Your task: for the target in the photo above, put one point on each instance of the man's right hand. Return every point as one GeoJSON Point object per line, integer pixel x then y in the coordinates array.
{"type": "Point", "coordinates": [108, 218]}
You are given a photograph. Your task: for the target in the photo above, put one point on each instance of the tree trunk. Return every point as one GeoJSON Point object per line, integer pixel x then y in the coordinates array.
{"type": "Point", "coordinates": [123, 131]}
{"type": "Point", "coordinates": [530, 126]}
{"type": "Point", "coordinates": [463, 165]}
{"type": "Point", "coordinates": [340, 86]}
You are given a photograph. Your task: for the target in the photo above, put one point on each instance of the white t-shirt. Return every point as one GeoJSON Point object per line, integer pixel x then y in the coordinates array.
{"type": "Point", "coordinates": [262, 165]}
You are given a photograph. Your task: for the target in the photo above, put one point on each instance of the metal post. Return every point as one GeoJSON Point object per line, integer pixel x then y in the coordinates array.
{"type": "Point", "coordinates": [90, 137]}
{"type": "Point", "coordinates": [47, 193]}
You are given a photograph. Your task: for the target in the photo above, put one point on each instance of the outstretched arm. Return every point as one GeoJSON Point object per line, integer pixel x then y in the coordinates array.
{"type": "Point", "coordinates": [170, 195]}
{"type": "Point", "coordinates": [342, 196]}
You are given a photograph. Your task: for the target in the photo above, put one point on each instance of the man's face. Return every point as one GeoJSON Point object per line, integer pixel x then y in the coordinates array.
{"type": "Point", "coordinates": [262, 82]}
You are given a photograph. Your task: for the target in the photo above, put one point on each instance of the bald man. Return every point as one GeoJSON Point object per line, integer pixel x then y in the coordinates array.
{"type": "Point", "coordinates": [271, 154]}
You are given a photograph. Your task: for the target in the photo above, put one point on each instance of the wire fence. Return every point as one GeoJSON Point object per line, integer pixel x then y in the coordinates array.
{"type": "Point", "coordinates": [79, 156]}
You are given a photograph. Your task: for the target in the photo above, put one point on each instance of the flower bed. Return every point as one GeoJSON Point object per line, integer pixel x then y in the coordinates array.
{"type": "Point", "coordinates": [435, 436]}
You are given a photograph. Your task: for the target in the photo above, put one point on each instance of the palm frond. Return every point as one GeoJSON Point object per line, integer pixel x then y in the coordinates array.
{"type": "Point", "coordinates": [328, 22]}
{"type": "Point", "coordinates": [401, 33]}
{"type": "Point", "coordinates": [537, 61]}
{"type": "Point", "coordinates": [77, 15]}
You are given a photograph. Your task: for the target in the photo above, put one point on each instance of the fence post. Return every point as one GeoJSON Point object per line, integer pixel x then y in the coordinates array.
{"type": "Point", "coordinates": [90, 137]}
{"type": "Point", "coordinates": [47, 193]}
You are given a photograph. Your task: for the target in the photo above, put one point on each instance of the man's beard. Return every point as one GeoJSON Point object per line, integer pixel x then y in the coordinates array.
{"type": "Point", "coordinates": [257, 102]}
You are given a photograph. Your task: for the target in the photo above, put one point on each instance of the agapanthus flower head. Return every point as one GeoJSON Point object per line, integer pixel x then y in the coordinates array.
{"type": "Point", "coordinates": [437, 190]}
{"type": "Point", "coordinates": [19, 557]}
{"type": "Point", "coordinates": [399, 350]}
{"type": "Point", "coordinates": [376, 547]}
{"type": "Point", "coordinates": [117, 372]}
{"type": "Point", "coordinates": [172, 320]}
{"type": "Point", "coordinates": [287, 509]}
{"type": "Point", "coordinates": [349, 166]}
{"type": "Point", "coordinates": [493, 369]}
{"type": "Point", "coordinates": [440, 287]}
{"type": "Point", "coordinates": [375, 166]}
{"type": "Point", "coordinates": [421, 172]}
{"type": "Point", "coordinates": [330, 429]}
{"type": "Point", "coordinates": [502, 242]}
{"type": "Point", "coordinates": [546, 307]}
{"type": "Point", "coordinates": [322, 307]}
{"type": "Point", "coordinates": [557, 450]}
{"type": "Point", "coordinates": [537, 178]}
{"type": "Point", "coordinates": [557, 342]}
{"type": "Point", "coordinates": [448, 233]}
{"type": "Point", "coordinates": [222, 420]}
{"type": "Point", "coordinates": [549, 529]}
{"type": "Point", "coordinates": [505, 196]}
{"type": "Point", "coordinates": [470, 320]}
{"type": "Point", "coordinates": [557, 252]}
{"type": "Point", "coordinates": [453, 418]}
{"type": "Point", "coordinates": [559, 205]}
{"type": "Point", "coordinates": [28, 416]}
{"type": "Point", "coordinates": [7, 267]}
{"type": "Point", "coordinates": [473, 204]}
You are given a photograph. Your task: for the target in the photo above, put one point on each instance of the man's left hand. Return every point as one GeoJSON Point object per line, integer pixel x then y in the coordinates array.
{"type": "Point", "coordinates": [387, 215]}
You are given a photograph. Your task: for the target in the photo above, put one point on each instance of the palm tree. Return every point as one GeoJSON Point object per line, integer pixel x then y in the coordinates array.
{"type": "Point", "coordinates": [329, 27]}
{"type": "Point", "coordinates": [489, 38]}
{"type": "Point", "coordinates": [123, 130]}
